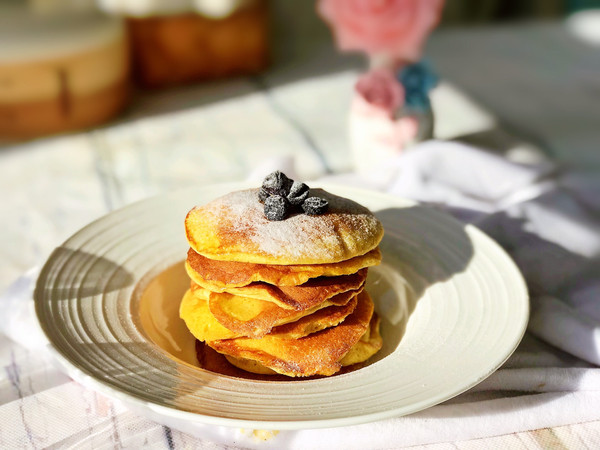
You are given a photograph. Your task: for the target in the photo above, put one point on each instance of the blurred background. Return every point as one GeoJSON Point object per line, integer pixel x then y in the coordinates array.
{"type": "Point", "coordinates": [106, 102]}
{"type": "Point", "coordinates": [470, 11]}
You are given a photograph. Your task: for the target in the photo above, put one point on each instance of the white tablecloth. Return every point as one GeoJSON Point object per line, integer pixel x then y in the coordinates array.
{"type": "Point", "coordinates": [540, 217]}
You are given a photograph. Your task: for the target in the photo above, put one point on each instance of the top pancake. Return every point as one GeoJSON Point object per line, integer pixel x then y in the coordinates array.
{"type": "Point", "coordinates": [234, 228]}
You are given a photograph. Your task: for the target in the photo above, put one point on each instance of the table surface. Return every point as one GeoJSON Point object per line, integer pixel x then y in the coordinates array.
{"type": "Point", "coordinates": [219, 131]}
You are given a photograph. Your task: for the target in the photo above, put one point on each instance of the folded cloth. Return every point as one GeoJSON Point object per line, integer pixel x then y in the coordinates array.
{"type": "Point", "coordinates": [545, 219]}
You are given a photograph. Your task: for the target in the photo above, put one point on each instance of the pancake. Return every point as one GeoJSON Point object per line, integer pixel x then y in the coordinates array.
{"type": "Point", "coordinates": [234, 228]}
{"type": "Point", "coordinates": [197, 317]}
{"type": "Point", "coordinates": [305, 296]}
{"type": "Point", "coordinates": [209, 359]}
{"type": "Point", "coordinates": [299, 324]}
{"type": "Point", "coordinates": [211, 316]}
{"type": "Point", "coordinates": [329, 316]}
{"type": "Point", "coordinates": [369, 344]}
{"type": "Point", "coordinates": [316, 354]}
{"type": "Point", "coordinates": [218, 276]}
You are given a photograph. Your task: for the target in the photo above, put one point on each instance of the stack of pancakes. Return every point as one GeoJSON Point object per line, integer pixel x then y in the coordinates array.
{"type": "Point", "coordinates": [284, 296]}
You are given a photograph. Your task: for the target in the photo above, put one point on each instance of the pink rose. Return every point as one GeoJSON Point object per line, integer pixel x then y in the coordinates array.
{"type": "Point", "coordinates": [381, 91]}
{"type": "Point", "coordinates": [394, 28]}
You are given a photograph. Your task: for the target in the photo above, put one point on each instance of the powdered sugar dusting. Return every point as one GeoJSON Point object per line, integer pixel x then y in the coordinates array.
{"type": "Point", "coordinates": [344, 229]}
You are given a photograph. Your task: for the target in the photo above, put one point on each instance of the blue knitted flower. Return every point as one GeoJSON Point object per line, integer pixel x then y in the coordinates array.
{"type": "Point", "coordinates": [418, 79]}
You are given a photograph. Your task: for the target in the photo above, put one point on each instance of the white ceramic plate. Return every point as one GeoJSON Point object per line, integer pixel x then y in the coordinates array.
{"type": "Point", "coordinates": [454, 307]}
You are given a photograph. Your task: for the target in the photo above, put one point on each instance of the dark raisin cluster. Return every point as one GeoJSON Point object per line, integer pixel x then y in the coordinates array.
{"type": "Point", "coordinates": [282, 196]}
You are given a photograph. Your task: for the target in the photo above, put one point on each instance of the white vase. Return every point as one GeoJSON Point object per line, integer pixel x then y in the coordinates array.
{"type": "Point", "coordinates": [376, 140]}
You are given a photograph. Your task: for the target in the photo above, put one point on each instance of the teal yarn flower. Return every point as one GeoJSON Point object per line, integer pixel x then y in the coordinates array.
{"type": "Point", "coordinates": [418, 79]}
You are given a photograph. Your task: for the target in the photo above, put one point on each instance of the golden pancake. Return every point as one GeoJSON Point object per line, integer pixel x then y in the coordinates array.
{"type": "Point", "coordinates": [369, 344]}
{"type": "Point", "coordinates": [211, 360]}
{"type": "Point", "coordinates": [329, 316]}
{"type": "Point", "coordinates": [316, 354]}
{"type": "Point", "coordinates": [234, 228]}
{"type": "Point", "coordinates": [305, 296]}
{"type": "Point", "coordinates": [270, 315]}
{"type": "Point", "coordinates": [218, 276]}
{"type": "Point", "coordinates": [249, 365]}
{"type": "Point", "coordinates": [197, 317]}
{"type": "Point", "coordinates": [211, 316]}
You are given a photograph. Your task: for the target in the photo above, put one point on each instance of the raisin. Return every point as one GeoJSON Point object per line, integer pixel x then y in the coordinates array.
{"type": "Point", "coordinates": [314, 206]}
{"type": "Point", "coordinates": [276, 207]}
{"type": "Point", "coordinates": [298, 193]}
{"type": "Point", "coordinates": [277, 183]}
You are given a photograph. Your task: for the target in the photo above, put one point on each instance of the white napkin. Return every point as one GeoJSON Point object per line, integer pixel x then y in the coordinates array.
{"type": "Point", "coordinates": [546, 220]}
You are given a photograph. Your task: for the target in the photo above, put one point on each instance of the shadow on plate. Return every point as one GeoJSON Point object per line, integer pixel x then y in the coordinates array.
{"type": "Point", "coordinates": [92, 274]}
{"type": "Point", "coordinates": [412, 262]}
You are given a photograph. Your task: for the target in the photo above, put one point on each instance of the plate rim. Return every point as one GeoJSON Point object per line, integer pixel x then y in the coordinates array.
{"type": "Point", "coordinates": [89, 380]}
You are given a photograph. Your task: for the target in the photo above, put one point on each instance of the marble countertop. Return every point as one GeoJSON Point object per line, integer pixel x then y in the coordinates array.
{"type": "Point", "coordinates": [201, 135]}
